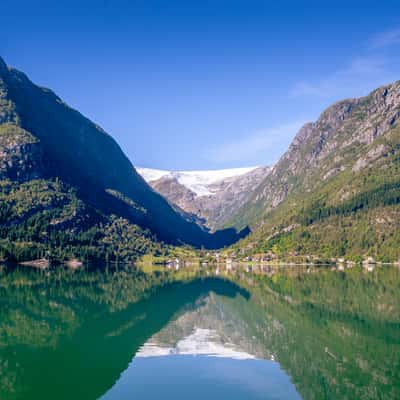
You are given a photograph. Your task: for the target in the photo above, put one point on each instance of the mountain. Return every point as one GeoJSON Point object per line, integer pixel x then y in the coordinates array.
{"type": "Point", "coordinates": [336, 191]}
{"type": "Point", "coordinates": [62, 175]}
{"type": "Point", "coordinates": [211, 197]}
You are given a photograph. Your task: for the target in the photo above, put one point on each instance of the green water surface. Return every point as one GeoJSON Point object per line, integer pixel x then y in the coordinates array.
{"type": "Point", "coordinates": [287, 333]}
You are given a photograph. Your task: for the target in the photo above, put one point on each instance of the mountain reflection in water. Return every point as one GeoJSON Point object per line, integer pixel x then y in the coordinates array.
{"type": "Point", "coordinates": [293, 333]}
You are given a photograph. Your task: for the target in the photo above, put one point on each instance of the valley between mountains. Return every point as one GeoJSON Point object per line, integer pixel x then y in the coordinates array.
{"type": "Point", "coordinates": [67, 190]}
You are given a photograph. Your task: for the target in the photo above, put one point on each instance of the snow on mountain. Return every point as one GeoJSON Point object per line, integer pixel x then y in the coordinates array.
{"type": "Point", "coordinates": [196, 181]}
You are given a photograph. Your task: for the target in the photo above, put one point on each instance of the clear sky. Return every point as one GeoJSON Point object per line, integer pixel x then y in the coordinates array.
{"type": "Point", "coordinates": [203, 84]}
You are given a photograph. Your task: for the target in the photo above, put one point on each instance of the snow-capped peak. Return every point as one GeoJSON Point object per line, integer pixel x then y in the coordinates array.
{"type": "Point", "coordinates": [196, 181]}
{"type": "Point", "coordinates": [150, 174]}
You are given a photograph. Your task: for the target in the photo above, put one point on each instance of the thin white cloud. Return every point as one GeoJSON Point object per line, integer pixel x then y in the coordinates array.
{"type": "Point", "coordinates": [262, 146]}
{"type": "Point", "coordinates": [360, 74]}
{"type": "Point", "coordinates": [384, 39]}
{"type": "Point", "coordinates": [376, 67]}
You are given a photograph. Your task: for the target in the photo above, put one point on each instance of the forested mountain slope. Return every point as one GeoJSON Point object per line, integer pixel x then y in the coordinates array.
{"type": "Point", "coordinates": [336, 191]}
{"type": "Point", "coordinates": [62, 175]}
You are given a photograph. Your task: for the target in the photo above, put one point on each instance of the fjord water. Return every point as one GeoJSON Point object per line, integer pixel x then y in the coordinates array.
{"type": "Point", "coordinates": [285, 333]}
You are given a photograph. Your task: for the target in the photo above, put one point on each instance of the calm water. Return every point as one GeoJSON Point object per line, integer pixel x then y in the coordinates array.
{"type": "Point", "coordinates": [284, 334]}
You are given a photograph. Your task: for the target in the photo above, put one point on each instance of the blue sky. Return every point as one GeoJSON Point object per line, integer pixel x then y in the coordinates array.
{"type": "Point", "coordinates": [203, 84]}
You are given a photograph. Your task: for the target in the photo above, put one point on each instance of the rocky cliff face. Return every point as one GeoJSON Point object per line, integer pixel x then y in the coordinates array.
{"type": "Point", "coordinates": [344, 137]}
{"type": "Point", "coordinates": [21, 157]}
{"type": "Point", "coordinates": [216, 201]}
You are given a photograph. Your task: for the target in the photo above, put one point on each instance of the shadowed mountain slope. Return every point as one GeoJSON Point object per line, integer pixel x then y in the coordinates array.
{"type": "Point", "coordinates": [43, 138]}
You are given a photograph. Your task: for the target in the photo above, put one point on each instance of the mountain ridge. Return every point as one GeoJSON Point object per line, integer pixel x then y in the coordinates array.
{"type": "Point", "coordinates": [210, 196]}
{"type": "Point", "coordinates": [197, 181]}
